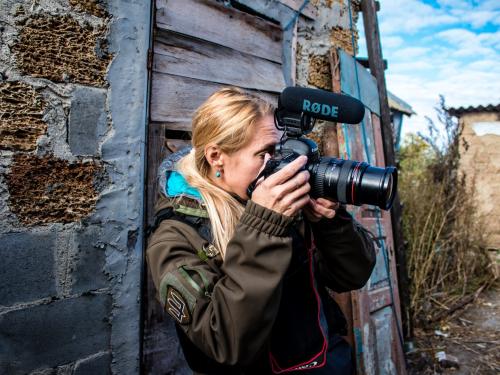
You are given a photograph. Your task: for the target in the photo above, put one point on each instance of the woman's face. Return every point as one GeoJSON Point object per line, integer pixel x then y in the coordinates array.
{"type": "Point", "coordinates": [241, 167]}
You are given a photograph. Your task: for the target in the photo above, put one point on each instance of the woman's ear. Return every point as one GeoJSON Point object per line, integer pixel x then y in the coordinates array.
{"type": "Point", "coordinates": [213, 154]}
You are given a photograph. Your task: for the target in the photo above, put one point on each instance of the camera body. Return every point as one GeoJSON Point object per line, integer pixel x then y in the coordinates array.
{"type": "Point", "coordinates": [346, 181]}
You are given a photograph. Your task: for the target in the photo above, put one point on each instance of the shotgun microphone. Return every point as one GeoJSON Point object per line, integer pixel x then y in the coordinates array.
{"type": "Point", "coordinates": [322, 105]}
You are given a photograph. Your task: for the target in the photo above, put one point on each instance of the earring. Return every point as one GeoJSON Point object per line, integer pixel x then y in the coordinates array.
{"type": "Point", "coordinates": [218, 172]}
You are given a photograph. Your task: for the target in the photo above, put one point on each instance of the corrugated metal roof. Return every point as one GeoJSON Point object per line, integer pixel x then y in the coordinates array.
{"type": "Point", "coordinates": [399, 104]}
{"type": "Point", "coordinates": [474, 109]}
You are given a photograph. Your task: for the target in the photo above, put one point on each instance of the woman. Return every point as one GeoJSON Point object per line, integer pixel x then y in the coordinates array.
{"type": "Point", "coordinates": [245, 279]}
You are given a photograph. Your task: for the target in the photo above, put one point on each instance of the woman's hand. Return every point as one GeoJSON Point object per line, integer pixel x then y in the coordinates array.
{"type": "Point", "coordinates": [285, 191]}
{"type": "Point", "coordinates": [316, 209]}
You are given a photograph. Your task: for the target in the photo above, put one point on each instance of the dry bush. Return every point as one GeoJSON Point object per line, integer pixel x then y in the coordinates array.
{"type": "Point", "coordinates": [446, 256]}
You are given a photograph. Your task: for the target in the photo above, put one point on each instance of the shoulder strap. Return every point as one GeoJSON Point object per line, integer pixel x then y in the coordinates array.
{"type": "Point", "coordinates": [161, 215]}
{"type": "Point", "coordinates": [200, 224]}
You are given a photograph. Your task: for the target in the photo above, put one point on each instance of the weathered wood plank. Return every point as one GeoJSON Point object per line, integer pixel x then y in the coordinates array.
{"type": "Point", "coordinates": [229, 27]}
{"type": "Point", "coordinates": [289, 55]}
{"type": "Point", "coordinates": [367, 128]}
{"type": "Point", "coordinates": [345, 304]}
{"type": "Point", "coordinates": [379, 146]}
{"type": "Point", "coordinates": [282, 14]}
{"type": "Point", "coordinates": [175, 145]}
{"type": "Point", "coordinates": [383, 361]}
{"type": "Point", "coordinates": [175, 98]}
{"type": "Point", "coordinates": [373, 45]}
{"type": "Point", "coordinates": [377, 69]}
{"type": "Point", "coordinates": [184, 125]}
{"type": "Point", "coordinates": [368, 92]}
{"type": "Point", "coordinates": [379, 298]}
{"type": "Point", "coordinates": [156, 153]}
{"type": "Point", "coordinates": [310, 11]}
{"type": "Point", "coordinates": [364, 333]}
{"type": "Point", "coordinates": [181, 55]}
{"type": "Point", "coordinates": [353, 133]}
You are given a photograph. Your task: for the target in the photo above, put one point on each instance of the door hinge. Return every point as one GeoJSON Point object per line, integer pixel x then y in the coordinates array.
{"type": "Point", "coordinates": [150, 59]}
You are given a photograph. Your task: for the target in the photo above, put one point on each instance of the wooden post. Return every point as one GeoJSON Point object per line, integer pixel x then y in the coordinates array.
{"type": "Point", "coordinates": [377, 69]}
{"type": "Point", "coordinates": [376, 62]}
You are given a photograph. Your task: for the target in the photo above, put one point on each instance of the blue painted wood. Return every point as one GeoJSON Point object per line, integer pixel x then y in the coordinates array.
{"type": "Point", "coordinates": [358, 145]}
{"type": "Point", "coordinates": [383, 321]}
{"type": "Point", "coordinates": [370, 141]}
{"type": "Point", "coordinates": [368, 84]}
{"type": "Point", "coordinates": [379, 276]}
{"type": "Point", "coordinates": [358, 339]}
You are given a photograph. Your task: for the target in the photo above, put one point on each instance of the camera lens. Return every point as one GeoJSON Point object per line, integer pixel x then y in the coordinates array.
{"type": "Point", "coordinates": [388, 190]}
{"type": "Point", "coordinates": [353, 182]}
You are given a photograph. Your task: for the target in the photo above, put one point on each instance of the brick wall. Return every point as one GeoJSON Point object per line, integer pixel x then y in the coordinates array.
{"type": "Point", "coordinates": [73, 87]}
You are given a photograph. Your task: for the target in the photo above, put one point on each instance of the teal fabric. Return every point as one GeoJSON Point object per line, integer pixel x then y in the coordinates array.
{"type": "Point", "coordinates": [177, 185]}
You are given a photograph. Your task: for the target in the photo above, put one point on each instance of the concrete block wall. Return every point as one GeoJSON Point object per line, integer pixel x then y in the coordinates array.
{"type": "Point", "coordinates": [73, 89]}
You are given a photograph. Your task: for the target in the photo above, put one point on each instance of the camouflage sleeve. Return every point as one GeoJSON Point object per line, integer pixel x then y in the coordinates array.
{"type": "Point", "coordinates": [227, 314]}
{"type": "Point", "coordinates": [346, 255]}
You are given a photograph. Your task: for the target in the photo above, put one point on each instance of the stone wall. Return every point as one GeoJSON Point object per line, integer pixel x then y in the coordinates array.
{"type": "Point", "coordinates": [480, 160]}
{"type": "Point", "coordinates": [73, 89]}
{"type": "Point", "coordinates": [315, 40]}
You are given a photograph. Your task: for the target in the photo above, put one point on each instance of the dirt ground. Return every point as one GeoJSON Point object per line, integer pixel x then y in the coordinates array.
{"type": "Point", "coordinates": [470, 335]}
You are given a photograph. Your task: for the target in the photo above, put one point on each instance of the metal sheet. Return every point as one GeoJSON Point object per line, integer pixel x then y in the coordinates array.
{"type": "Point", "coordinates": [367, 93]}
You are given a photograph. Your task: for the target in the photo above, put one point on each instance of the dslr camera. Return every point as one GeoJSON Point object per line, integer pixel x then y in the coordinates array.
{"type": "Point", "coordinates": [345, 181]}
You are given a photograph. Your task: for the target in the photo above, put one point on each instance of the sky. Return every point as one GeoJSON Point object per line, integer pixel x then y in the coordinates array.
{"type": "Point", "coordinates": [440, 47]}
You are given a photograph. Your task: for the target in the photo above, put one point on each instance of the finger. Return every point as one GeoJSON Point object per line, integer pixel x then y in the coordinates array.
{"type": "Point", "coordinates": [328, 213]}
{"type": "Point", "coordinates": [328, 203]}
{"type": "Point", "coordinates": [313, 203]}
{"type": "Point", "coordinates": [287, 172]}
{"type": "Point", "coordinates": [332, 214]}
{"type": "Point", "coordinates": [295, 183]}
{"type": "Point", "coordinates": [294, 207]}
{"type": "Point", "coordinates": [259, 181]}
{"type": "Point", "coordinates": [297, 194]}
{"type": "Point", "coordinates": [324, 211]}
{"type": "Point", "coordinates": [310, 212]}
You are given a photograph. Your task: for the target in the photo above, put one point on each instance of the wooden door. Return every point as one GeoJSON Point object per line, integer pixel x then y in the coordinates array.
{"type": "Point", "coordinates": [199, 47]}
{"type": "Point", "coordinates": [376, 318]}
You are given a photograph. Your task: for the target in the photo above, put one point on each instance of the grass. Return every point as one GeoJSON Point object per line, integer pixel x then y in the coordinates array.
{"type": "Point", "coordinates": [446, 253]}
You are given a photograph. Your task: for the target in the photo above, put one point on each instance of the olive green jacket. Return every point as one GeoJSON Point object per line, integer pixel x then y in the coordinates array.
{"type": "Point", "coordinates": [227, 308]}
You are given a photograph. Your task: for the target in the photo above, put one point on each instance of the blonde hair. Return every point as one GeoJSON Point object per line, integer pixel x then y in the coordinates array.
{"type": "Point", "coordinates": [227, 118]}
